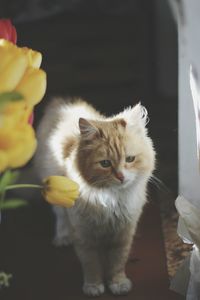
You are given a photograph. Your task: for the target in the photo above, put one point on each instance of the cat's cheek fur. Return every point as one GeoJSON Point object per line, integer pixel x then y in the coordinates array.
{"type": "Point", "coordinates": [96, 176]}
{"type": "Point", "coordinates": [129, 176]}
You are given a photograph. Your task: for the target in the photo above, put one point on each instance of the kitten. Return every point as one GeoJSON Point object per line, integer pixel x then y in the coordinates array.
{"type": "Point", "coordinates": [111, 159]}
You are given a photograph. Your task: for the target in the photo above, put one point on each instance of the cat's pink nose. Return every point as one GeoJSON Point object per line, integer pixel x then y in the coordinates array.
{"type": "Point", "coordinates": [120, 176]}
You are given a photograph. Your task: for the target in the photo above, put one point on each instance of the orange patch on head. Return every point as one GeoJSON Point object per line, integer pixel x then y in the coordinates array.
{"type": "Point", "coordinates": [107, 144]}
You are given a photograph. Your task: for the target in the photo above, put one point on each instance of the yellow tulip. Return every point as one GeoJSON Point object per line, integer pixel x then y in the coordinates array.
{"type": "Point", "coordinates": [33, 85]}
{"type": "Point", "coordinates": [19, 72]}
{"type": "Point", "coordinates": [60, 190]}
{"type": "Point", "coordinates": [17, 146]}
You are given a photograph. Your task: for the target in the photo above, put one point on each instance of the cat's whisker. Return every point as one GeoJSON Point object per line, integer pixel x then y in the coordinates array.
{"type": "Point", "coordinates": [158, 183]}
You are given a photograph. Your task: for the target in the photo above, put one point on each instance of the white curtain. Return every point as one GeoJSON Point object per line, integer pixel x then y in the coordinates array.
{"type": "Point", "coordinates": [187, 15]}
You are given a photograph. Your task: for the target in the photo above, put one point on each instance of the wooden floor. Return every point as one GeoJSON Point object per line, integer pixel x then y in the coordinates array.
{"type": "Point", "coordinates": [41, 271]}
{"type": "Point", "coordinates": [108, 60]}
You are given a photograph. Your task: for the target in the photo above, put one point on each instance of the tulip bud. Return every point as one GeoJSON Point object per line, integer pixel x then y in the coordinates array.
{"type": "Point", "coordinates": [60, 190]}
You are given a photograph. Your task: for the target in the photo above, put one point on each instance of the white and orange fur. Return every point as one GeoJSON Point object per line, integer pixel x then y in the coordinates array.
{"type": "Point", "coordinates": [73, 140]}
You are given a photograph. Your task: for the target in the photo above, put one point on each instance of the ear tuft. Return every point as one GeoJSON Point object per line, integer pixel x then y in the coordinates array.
{"type": "Point", "coordinates": [143, 113]}
{"type": "Point", "coordinates": [87, 130]}
{"type": "Point", "coordinates": [135, 116]}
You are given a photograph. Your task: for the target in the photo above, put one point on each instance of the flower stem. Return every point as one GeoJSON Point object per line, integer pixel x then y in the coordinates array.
{"type": "Point", "coordinates": [21, 186]}
{"type": "Point", "coordinates": [2, 197]}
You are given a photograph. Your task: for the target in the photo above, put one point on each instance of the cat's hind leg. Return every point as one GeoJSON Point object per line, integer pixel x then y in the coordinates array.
{"type": "Point", "coordinates": [62, 236]}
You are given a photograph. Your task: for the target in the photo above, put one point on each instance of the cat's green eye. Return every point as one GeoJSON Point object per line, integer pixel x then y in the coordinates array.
{"type": "Point", "coordinates": [105, 163]}
{"type": "Point", "coordinates": [130, 159]}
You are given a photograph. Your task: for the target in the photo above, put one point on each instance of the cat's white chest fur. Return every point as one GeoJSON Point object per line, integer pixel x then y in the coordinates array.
{"type": "Point", "coordinates": [121, 204]}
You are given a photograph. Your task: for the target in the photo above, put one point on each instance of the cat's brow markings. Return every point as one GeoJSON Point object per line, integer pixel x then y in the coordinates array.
{"type": "Point", "coordinates": [115, 150]}
{"type": "Point", "coordinates": [116, 147]}
{"type": "Point", "coordinates": [118, 142]}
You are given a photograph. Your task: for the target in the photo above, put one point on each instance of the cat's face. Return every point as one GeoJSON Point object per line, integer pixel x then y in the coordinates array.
{"type": "Point", "coordinates": [113, 152]}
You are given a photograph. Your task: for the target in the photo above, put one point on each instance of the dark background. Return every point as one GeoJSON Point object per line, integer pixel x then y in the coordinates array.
{"type": "Point", "coordinates": [113, 54]}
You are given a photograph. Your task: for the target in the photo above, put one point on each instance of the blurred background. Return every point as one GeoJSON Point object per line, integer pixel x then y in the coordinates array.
{"type": "Point", "coordinates": [113, 54]}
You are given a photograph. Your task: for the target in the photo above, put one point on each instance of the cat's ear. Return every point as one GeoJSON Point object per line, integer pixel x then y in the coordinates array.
{"type": "Point", "coordinates": [136, 116]}
{"type": "Point", "coordinates": [87, 130]}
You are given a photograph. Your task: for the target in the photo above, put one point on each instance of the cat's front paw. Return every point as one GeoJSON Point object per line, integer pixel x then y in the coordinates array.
{"type": "Point", "coordinates": [121, 287]}
{"type": "Point", "coordinates": [92, 289]}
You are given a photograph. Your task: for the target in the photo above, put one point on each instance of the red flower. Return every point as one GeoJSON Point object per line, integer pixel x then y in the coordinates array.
{"type": "Point", "coordinates": [8, 31]}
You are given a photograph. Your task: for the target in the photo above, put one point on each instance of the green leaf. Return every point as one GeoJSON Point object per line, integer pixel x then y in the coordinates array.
{"type": "Point", "coordinates": [8, 178]}
{"type": "Point", "coordinates": [9, 97]}
{"type": "Point", "coordinates": [12, 203]}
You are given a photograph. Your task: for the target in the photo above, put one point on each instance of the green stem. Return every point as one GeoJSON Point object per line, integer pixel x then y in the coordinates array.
{"type": "Point", "coordinates": [21, 186]}
{"type": "Point", "coordinates": [2, 196]}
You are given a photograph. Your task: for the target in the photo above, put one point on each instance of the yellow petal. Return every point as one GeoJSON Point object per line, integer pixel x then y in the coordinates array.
{"type": "Point", "coordinates": [25, 147]}
{"type": "Point", "coordinates": [5, 54]}
{"type": "Point", "coordinates": [58, 195]}
{"type": "Point", "coordinates": [13, 72]}
{"type": "Point", "coordinates": [61, 183]}
{"type": "Point", "coordinates": [18, 145]}
{"type": "Point", "coordinates": [14, 113]}
{"type": "Point", "coordinates": [34, 57]}
{"type": "Point", "coordinates": [3, 161]}
{"type": "Point", "coordinates": [60, 190]}
{"type": "Point", "coordinates": [7, 51]}
{"type": "Point", "coordinates": [33, 85]}
{"type": "Point", "coordinates": [56, 199]}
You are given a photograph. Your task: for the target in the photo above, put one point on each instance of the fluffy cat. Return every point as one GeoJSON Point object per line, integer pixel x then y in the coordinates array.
{"type": "Point", "coordinates": [112, 160]}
